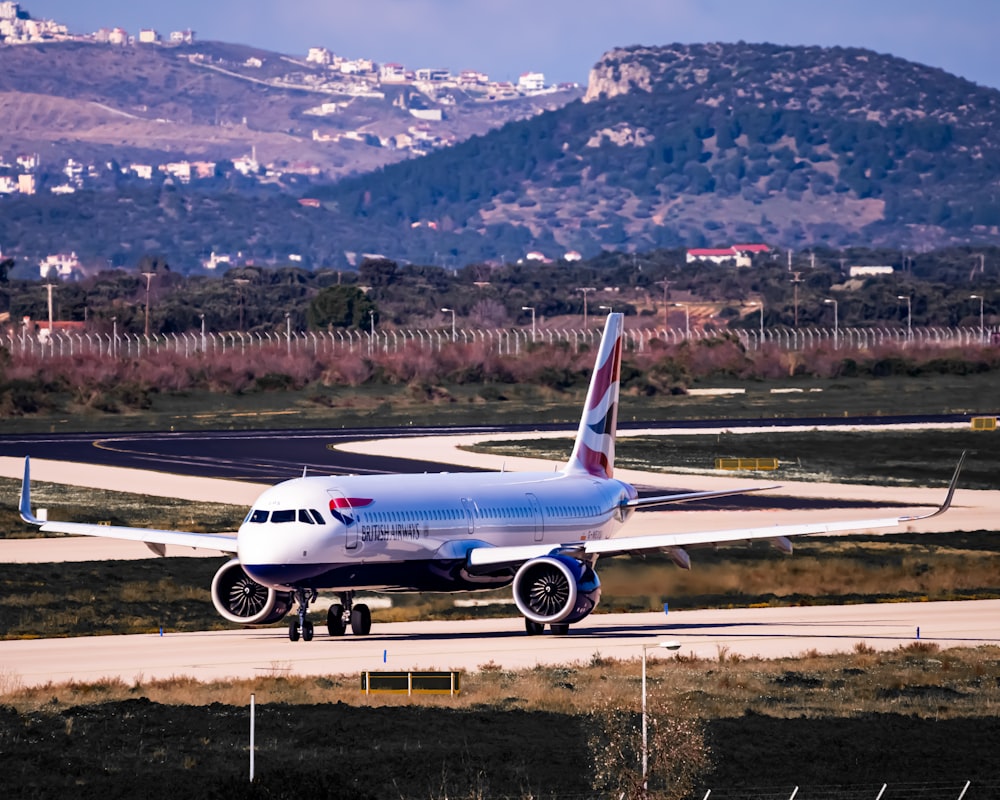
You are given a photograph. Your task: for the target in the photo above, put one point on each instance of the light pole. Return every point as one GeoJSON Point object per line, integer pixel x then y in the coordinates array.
{"type": "Point", "coordinates": [149, 280]}
{"type": "Point", "coordinates": [982, 327]}
{"type": "Point", "coordinates": [50, 287]}
{"type": "Point", "coordinates": [666, 289]}
{"type": "Point", "coordinates": [240, 283]}
{"type": "Point", "coordinates": [836, 323]}
{"type": "Point", "coordinates": [288, 332]}
{"type": "Point", "coordinates": [796, 280]}
{"type": "Point", "coordinates": [909, 314]}
{"type": "Point", "coordinates": [761, 304]}
{"type": "Point", "coordinates": [687, 319]}
{"type": "Point", "coordinates": [371, 338]}
{"type": "Point", "coordinates": [203, 348]}
{"type": "Point", "coordinates": [532, 310]}
{"type": "Point", "coordinates": [670, 644]}
{"type": "Point", "coordinates": [585, 290]}
{"type": "Point", "coordinates": [452, 312]}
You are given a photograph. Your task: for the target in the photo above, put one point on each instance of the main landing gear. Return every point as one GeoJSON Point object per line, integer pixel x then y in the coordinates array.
{"type": "Point", "coordinates": [537, 628]}
{"type": "Point", "coordinates": [340, 614]}
{"type": "Point", "coordinates": [337, 617]}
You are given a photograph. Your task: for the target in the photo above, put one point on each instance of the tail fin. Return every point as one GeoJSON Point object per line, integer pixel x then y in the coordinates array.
{"type": "Point", "coordinates": [594, 451]}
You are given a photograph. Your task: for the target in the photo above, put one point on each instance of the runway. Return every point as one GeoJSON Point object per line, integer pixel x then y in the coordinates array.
{"type": "Point", "coordinates": [249, 654]}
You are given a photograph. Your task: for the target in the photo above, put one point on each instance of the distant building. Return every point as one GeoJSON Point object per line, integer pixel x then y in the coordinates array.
{"type": "Point", "coordinates": [64, 265]}
{"type": "Point", "coordinates": [428, 114]}
{"type": "Point", "coordinates": [740, 254]}
{"type": "Point", "coordinates": [392, 73]}
{"type": "Point", "coordinates": [721, 255]}
{"type": "Point", "coordinates": [432, 74]}
{"type": "Point", "coordinates": [357, 66]}
{"type": "Point", "coordinates": [148, 36]}
{"type": "Point", "coordinates": [471, 77]}
{"type": "Point", "coordinates": [182, 37]}
{"type": "Point", "coordinates": [531, 82]}
{"type": "Point", "coordinates": [253, 62]}
{"type": "Point", "coordinates": [178, 169]}
{"type": "Point", "coordinates": [215, 259]}
{"type": "Point", "coordinates": [10, 10]}
{"type": "Point", "coordinates": [26, 184]}
{"type": "Point", "coordinates": [752, 249]}
{"type": "Point", "coordinates": [319, 55]}
{"type": "Point", "coordinates": [860, 271]}
{"type": "Point", "coordinates": [246, 165]}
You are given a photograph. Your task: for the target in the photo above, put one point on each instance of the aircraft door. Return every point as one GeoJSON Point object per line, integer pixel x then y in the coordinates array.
{"type": "Point", "coordinates": [536, 512]}
{"type": "Point", "coordinates": [343, 512]}
{"type": "Point", "coordinates": [470, 517]}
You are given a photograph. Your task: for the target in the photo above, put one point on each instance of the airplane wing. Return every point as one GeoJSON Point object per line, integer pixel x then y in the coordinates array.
{"type": "Point", "coordinates": [687, 497]}
{"type": "Point", "coordinates": [155, 540]}
{"type": "Point", "coordinates": [674, 543]}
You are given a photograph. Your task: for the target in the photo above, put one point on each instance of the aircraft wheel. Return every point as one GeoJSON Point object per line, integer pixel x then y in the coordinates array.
{"type": "Point", "coordinates": [335, 620]}
{"type": "Point", "coordinates": [361, 620]}
{"type": "Point", "coordinates": [560, 629]}
{"type": "Point", "coordinates": [533, 628]}
{"type": "Point", "coordinates": [293, 630]}
{"type": "Point", "coordinates": [307, 631]}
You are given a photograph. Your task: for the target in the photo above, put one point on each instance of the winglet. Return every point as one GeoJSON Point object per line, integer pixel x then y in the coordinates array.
{"type": "Point", "coordinates": [947, 500]}
{"type": "Point", "coordinates": [25, 507]}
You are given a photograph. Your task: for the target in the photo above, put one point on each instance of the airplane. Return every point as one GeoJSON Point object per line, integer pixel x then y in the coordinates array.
{"type": "Point", "coordinates": [541, 532]}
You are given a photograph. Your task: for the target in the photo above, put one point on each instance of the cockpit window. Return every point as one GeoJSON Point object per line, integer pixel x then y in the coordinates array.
{"type": "Point", "coordinates": [257, 515]}
{"type": "Point", "coordinates": [317, 516]}
{"type": "Point", "coordinates": [285, 515]}
{"type": "Point", "coordinates": [305, 516]}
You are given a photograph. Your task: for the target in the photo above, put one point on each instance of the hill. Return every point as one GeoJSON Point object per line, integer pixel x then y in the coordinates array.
{"type": "Point", "coordinates": [683, 145]}
{"type": "Point", "coordinates": [698, 144]}
{"type": "Point", "coordinates": [212, 100]}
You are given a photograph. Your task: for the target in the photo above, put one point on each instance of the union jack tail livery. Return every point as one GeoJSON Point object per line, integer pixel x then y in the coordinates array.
{"type": "Point", "coordinates": [594, 451]}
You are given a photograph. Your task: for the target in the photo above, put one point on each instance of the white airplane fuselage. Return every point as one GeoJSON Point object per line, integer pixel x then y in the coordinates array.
{"type": "Point", "coordinates": [414, 532]}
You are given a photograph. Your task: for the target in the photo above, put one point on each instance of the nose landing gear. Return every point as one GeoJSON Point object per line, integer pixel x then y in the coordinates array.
{"type": "Point", "coordinates": [299, 623]}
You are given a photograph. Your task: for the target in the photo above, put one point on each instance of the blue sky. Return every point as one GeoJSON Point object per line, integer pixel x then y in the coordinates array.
{"type": "Point", "coordinates": [562, 38]}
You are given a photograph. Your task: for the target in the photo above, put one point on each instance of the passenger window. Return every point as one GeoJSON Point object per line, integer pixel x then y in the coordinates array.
{"type": "Point", "coordinates": [258, 516]}
{"type": "Point", "coordinates": [285, 515]}
{"type": "Point", "coordinates": [306, 517]}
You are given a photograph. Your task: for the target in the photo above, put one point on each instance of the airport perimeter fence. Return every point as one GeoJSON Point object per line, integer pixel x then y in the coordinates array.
{"type": "Point", "coordinates": [505, 341]}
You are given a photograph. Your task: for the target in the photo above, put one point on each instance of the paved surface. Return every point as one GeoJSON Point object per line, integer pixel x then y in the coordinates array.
{"type": "Point", "coordinates": [767, 632]}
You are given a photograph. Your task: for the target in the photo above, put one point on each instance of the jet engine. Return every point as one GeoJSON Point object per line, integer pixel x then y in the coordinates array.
{"type": "Point", "coordinates": [238, 598]}
{"type": "Point", "coordinates": [556, 589]}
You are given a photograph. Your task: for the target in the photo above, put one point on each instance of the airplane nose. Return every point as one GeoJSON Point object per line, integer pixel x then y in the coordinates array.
{"type": "Point", "coordinates": [283, 554]}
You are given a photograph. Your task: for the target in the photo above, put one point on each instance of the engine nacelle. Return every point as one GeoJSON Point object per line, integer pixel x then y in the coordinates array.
{"type": "Point", "coordinates": [238, 598]}
{"type": "Point", "coordinates": [556, 589]}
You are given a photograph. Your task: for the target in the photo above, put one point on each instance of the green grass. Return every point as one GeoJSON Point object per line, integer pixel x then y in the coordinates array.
{"type": "Point", "coordinates": [475, 404]}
